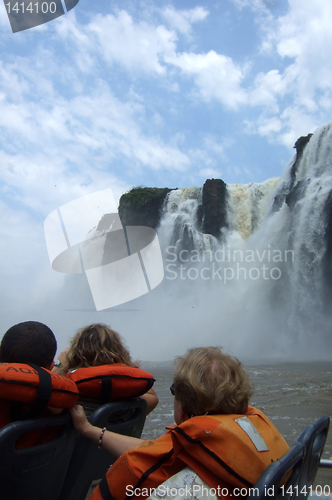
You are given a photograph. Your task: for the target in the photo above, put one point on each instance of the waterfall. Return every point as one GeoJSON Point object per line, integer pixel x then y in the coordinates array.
{"type": "Point", "coordinates": [269, 276]}
{"type": "Point", "coordinates": [180, 226]}
{"type": "Point", "coordinates": [249, 204]}
{"type": "Point", "coordinates": [302, 223]}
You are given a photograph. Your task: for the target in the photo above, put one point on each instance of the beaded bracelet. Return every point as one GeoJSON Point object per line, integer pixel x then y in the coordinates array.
{"type": "Point", "coordinates": [101, 437]}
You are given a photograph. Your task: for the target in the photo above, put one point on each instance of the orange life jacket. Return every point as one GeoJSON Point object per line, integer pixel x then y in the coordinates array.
{"type": "Point", "coordinates": [111, 382]}
{"type": "Point", "coordinates": [26, 391]}
{"type": "Point", "coordinates": [22, 382]}
{"type": "Point", "coordinates": [226, 451]}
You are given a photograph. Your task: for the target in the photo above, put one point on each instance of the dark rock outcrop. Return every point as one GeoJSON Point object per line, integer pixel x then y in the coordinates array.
{"type": "Point", "coordinates": [142, 206]}
{"type": "Point", "coordinates": [292, 191]}
{"type": "Point", "coordinates": [299, 146]}
{"type": "Point", "coordinates": [296, 193]}
{"type": "Point", "coordinates": [278, 201]}
{"type": "Point", "coordinates": [327, 257]}
{"type": "Point", "coordinates": [214, 207]}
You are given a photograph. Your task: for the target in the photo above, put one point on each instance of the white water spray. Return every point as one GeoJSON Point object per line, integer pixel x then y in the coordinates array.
{"type": "Point", "coordinates": [261, 293]}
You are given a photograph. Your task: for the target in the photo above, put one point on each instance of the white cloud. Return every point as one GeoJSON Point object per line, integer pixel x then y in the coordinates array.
{"type": "Point", "coordinates": [149, 48]}
{"type": "Point", "coordinates": [182, 20]}
{"type": "Point", "coordinates": [138, 46]}
{"type": "Point", "coordinates": [88, 127]}
{"type": "Point", "coordinates": [68, 140]}
{"type": "Point", "coordinates": [304, 34]}
{"type": "Point", "coordinates": [210, 173]}
{"type": "Point", "coordinates": [216, 146]}
{"type": "Point", "coordinates": [156, 154]}
{"type": "Point", "coordinates": [216, 76]}
{"type": "Point", "coordinates": [267, 88]}
{"type": "Point", "coordinates": [297, 95]}
{"type": "Point", "coordinates": [4, 21]}
{"type": "Point", "coordinates": [268, 127]}
{"type": "Point", "coordinates": [71, 32]}
{"type": "Point", "coordinates": [296, 122]}
{"type": "Point", "coordinates": [256, 5]}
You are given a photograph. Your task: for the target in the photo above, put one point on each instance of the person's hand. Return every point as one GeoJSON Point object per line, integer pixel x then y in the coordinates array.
{"type": "Point", "coordinates": [62, 369]}
{"type": "Point", "coordinates": [80, 421]}
{"type": "Point", "coordinates": [63, 357]}
{"type": "Point", "coordinates": [114, 443]}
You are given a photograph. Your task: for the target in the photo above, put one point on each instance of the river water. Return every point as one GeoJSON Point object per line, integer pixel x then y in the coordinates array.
{"type": "Point", "coordinates": [292, 395]}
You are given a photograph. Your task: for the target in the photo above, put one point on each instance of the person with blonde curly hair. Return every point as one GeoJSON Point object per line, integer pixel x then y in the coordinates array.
{"type": "Point", "coordinates": [226, 442]}
{"type": "Point", "coordinates": [96, 345]}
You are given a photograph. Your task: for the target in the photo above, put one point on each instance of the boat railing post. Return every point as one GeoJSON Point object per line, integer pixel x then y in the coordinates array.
{"type": "Point", "coordinates": [325, 463]}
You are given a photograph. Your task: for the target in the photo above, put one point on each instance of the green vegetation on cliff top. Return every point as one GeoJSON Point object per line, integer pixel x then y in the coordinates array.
{"type": "Point", "coordinates": [139, 196]}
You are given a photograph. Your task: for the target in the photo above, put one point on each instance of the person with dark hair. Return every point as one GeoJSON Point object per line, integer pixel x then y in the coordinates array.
{"type": "Point", "coordinates": [27, 351]}
{"type": "Point", "coordinates": [29, 342]}
{"type": "Point", "coordinates": [226, 442]}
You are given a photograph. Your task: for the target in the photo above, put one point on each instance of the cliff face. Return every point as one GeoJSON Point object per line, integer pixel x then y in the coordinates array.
{"type": "Point", "coordinates": [142, 206]}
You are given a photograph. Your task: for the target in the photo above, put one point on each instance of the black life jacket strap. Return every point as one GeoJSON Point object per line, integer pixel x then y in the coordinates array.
{"type": "Point", "coordinates": [103, 486]}
{"type": "Point", "coordinates": [154, 467]}
{"type": "Point", "coordinates": [150, 383]}
{"type": "Point", "coordinates": [44, 392]}
{"type": "Point", "coordinates": [214, 456]}
{"type": "Point", "coordinates": [106, 389]}
{"type": "Point", "coordinates": [104, 490]}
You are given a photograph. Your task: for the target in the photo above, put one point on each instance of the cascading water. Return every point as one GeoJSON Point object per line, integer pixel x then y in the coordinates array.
{"type": "Point", "coordinates": [249, 204]}
{"type": "Point", "coordinates": [260, 283]}
{"type": "Point", "coordinates": [302, 223]}
{"type": "Point", "coordinates": [179, 223]}
{"type": "Point", "coordinates": [268, 279]}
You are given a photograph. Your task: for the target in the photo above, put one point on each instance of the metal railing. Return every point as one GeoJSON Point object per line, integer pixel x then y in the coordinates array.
{"type": "Point", "coordinates": [325, 464]}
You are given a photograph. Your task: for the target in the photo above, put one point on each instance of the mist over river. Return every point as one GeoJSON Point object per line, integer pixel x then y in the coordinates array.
{"type": "Point", "coordinates": [292, 395]}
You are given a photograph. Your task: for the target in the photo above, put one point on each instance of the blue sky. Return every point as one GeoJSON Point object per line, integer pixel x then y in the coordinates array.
{"type": "Point", "coordinates": [119, 94]}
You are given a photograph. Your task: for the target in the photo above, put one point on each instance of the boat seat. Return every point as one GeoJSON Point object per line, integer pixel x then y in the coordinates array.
{"type": "Point", "coordinates": [314, 438]}
{"type": "Point", "coordinates": [39, 471]}
{"type": "Point", "coordinates": [268, 485]}
{"type": "Point", "coordinates": [89, 464]}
